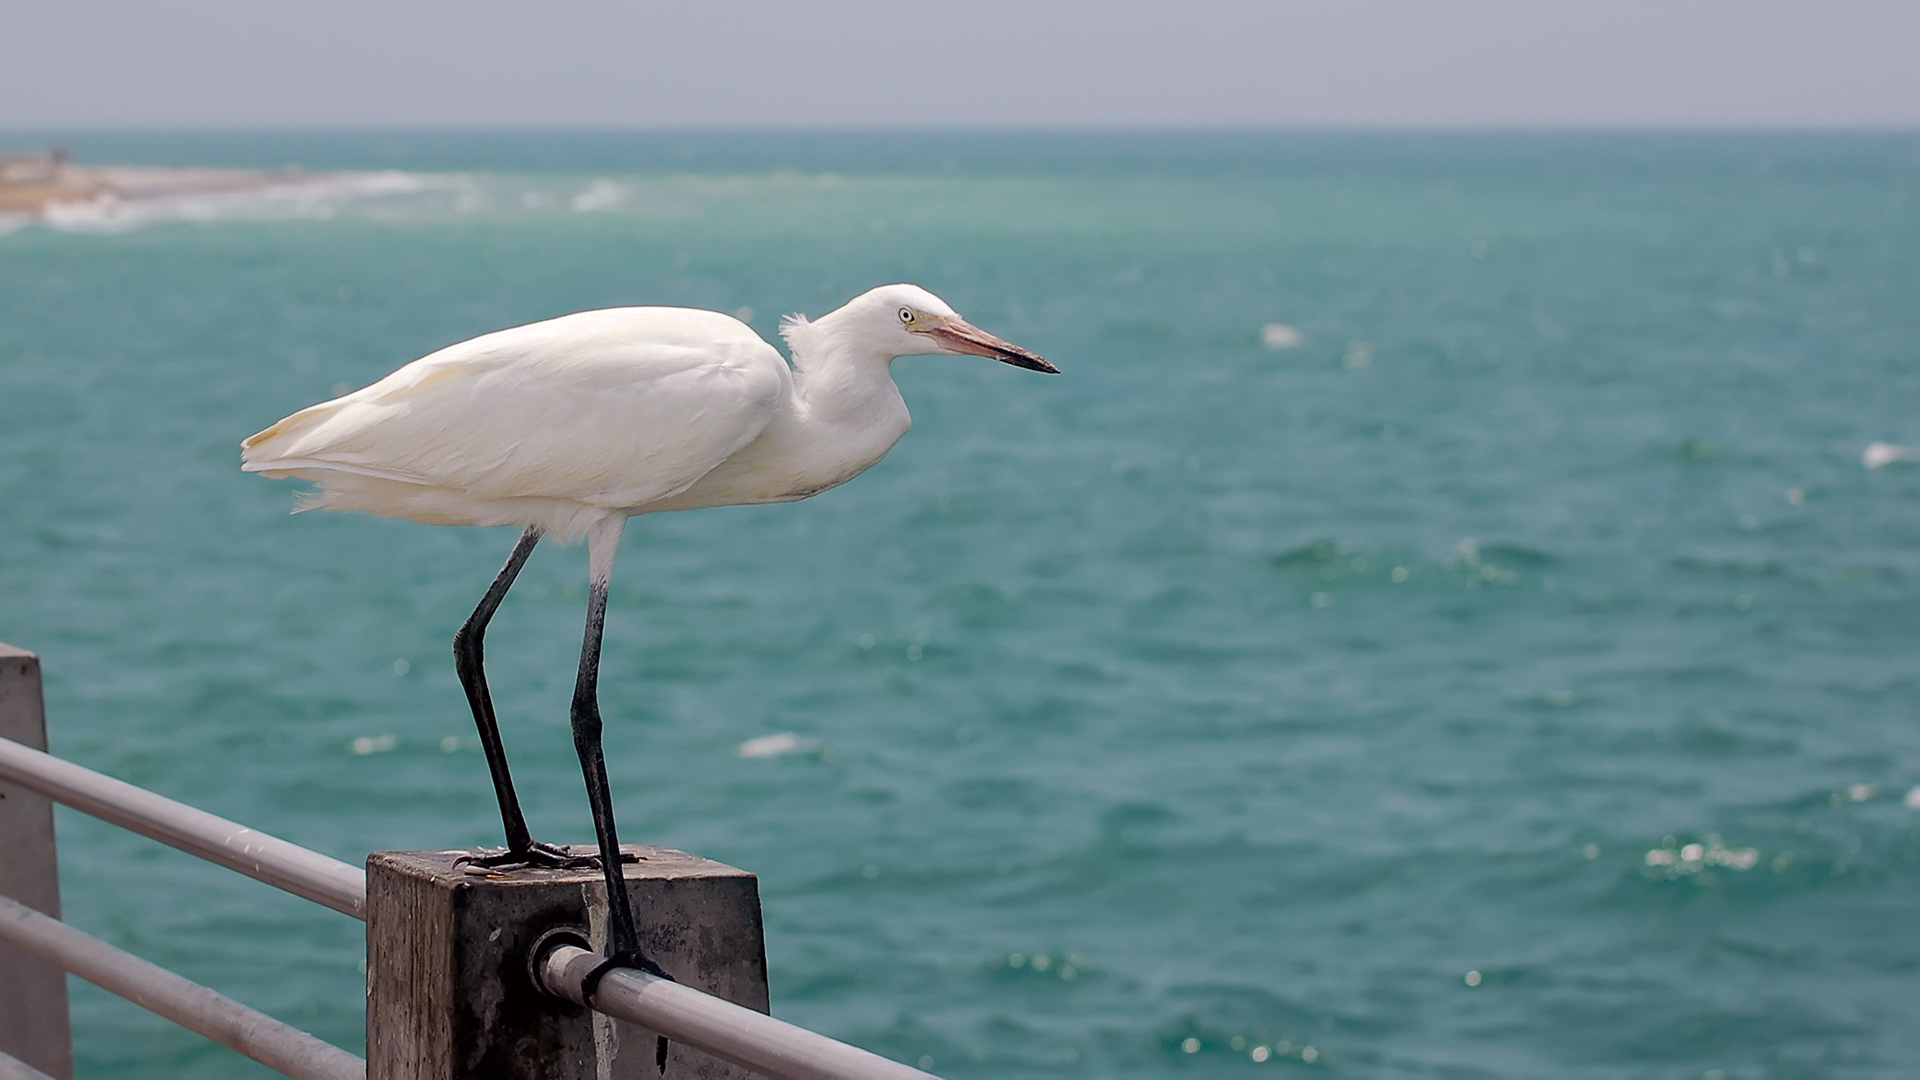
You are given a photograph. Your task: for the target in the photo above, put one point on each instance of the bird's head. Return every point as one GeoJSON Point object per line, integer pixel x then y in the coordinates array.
{"type": "Point", "coordinates": [907, 320]}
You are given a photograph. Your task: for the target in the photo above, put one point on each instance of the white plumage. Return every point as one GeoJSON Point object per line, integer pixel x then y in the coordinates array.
{"type": "Point", "coordinates": [560, 423]}
{"type": "Point", "coordinates": [571, 426]}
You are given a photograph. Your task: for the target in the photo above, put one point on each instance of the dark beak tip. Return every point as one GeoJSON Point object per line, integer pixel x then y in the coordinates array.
{"type": "Point", "coordinates": [1024, 359]}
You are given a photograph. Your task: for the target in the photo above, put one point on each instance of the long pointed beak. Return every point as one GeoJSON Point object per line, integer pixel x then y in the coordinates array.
{"type": "Point", "coordinates": [960, 336]}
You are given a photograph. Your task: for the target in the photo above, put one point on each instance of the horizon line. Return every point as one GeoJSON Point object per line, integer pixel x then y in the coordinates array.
{"type": "Point", "coordinates": [1912, 128]}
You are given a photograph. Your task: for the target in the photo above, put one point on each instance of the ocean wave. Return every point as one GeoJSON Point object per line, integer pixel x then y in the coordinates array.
{"type": "Point", "coordinates": [147, 199]}
{"type": "Point", "coordinates": [1325, 561]}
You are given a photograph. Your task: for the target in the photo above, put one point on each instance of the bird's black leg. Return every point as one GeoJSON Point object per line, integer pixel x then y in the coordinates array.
{"type": "Point", "coordinates": [469, 653]}
{"type": "Point", "coordinates": [623, 939]}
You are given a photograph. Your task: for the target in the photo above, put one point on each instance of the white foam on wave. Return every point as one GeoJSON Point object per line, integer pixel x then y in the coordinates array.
{"type": "Point", "coordinates": [601, 195]}
{"type": "Point", "coordinates": [768, 746]}
{"type": "Point", "coordinates": [1881, 454]}
{"type": "Point", "coordinates": [291, 195]}
{"type": "Point", "coordinates": [1277, 336]}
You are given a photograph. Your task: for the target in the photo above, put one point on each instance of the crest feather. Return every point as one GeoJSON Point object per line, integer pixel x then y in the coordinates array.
{"type": "Point", "coordinates": [797, 331]}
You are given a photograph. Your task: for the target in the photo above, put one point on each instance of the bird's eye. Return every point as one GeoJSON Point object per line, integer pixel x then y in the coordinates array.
{"type": "Point", "coordinates": [906, 315]}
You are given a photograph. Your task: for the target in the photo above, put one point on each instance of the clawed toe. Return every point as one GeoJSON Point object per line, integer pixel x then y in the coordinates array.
{"type": "Point", "coordinates": [560, 857]}
{"type": "Point", "coordinates": [537, 856]}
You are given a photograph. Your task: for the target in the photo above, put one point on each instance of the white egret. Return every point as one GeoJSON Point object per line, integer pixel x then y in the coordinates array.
{"type": "Point", "coordinates": [569, 427]}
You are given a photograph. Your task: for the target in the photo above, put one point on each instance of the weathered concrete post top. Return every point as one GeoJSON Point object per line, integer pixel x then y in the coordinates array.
{"type": "Point", "coordinates": [449, 950]}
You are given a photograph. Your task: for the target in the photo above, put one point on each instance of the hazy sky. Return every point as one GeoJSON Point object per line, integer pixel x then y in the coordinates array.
{"type": "Point", "coordinates": [993, 63]}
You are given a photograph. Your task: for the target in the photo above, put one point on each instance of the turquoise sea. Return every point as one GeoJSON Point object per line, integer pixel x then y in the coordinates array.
{"type": "Point", "coordinates": [1512, 675]}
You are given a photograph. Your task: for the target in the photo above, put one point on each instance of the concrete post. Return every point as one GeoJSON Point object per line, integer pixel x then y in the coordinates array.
{"type": "Point", "coordinates": [33, 993]}
{"type": "Point", "coordinates": [449, 991]}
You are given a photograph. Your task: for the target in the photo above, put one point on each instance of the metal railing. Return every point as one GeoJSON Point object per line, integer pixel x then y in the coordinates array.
{"type": "Point", "coordinates": [279, 1047]}
{"type": "Point", "coordinates": [12, 1068]}
{"type": "Point", "coordinates": [721, 1028]}
{"type": "Point", "coordinates": [772, 1047]}
{"type": "Point", "coordinates": [306, 874]}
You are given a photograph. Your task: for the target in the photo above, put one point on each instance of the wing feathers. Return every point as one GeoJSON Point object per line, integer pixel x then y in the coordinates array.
{"type": "Point", "coordinates": [613, 409]}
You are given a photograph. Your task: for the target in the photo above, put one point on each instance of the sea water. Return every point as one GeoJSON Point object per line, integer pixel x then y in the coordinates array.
{"type": "Point", "coordinates": [1439, 624]}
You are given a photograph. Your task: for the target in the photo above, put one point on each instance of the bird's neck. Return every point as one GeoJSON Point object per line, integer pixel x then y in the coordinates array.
{"type": "Point", "coordinates": [838, 377]}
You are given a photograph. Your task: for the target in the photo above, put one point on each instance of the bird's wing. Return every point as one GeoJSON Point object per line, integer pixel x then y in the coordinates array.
{"type": "Point", "coordinates": [611, 408]}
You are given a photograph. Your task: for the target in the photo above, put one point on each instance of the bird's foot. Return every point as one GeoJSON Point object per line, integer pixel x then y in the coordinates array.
{"type": "Point", "coordinates": [639, 961]}
{"type": "Point", "coordinates": [537, 856]}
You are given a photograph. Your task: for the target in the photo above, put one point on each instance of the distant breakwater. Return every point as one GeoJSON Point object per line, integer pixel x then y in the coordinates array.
{"type": "Point", "coordinates": [31, 184]}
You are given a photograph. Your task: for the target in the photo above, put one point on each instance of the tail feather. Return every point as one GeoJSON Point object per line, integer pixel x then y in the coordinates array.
{"type": "Point", "coordinates": [258, 452]}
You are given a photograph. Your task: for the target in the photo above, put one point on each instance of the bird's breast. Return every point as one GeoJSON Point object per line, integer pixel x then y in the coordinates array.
{"type": "Point", "coordinates": [799, 455]}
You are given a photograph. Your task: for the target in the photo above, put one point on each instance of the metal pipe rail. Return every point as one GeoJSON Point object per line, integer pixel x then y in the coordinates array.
{"type": "Point", "coordinates": [721, 1028]}
{"type": "Point", "coordinates": [284, 1049]}
{"type": "Point", "coordinates": [303, 873]}
{"type": "Point", "coordinates": [12, 1068]}
{"type": "Point", "coordinates": [772, 1047]}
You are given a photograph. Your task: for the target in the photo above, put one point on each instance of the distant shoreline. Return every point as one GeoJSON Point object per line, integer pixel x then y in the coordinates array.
{"type": "Point", "coordinates": [31, 184]}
